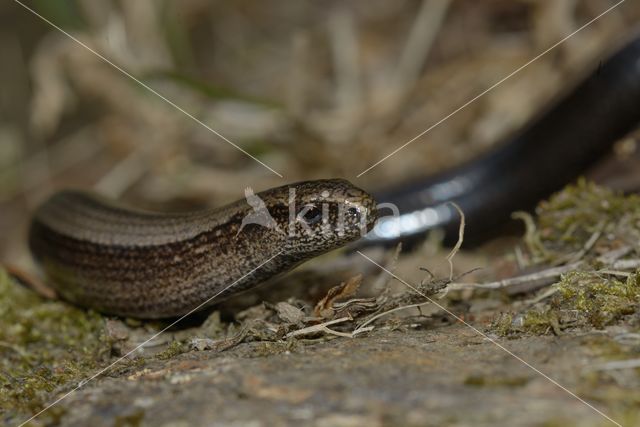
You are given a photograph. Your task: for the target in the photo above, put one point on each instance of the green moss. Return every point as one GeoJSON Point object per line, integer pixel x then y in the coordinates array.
{"type": "Point", "coordinates": [503, 324]}
{"type": "Point", "coordinates": [570, 217]}
{"type": "Point", "coordinates": [174, 349]}
{"type": "Point", "coordinates": [580, 222]}
{"type": "Point", "coordinates": [44, 345]}
{"type": "Point", "coordinates": [584, 299]}
{"type": "Point", "coordinates": [537, 321]}
{"type": "Point", "coordinates": [495, 381]}
{"type": "Point", "coordinates": [540, 321]}
{"type": "Point", "coordinates": [601, 299]}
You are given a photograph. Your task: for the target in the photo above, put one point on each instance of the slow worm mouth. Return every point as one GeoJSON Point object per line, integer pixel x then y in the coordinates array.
{"type": "Point", "coordinates": [371, 213]}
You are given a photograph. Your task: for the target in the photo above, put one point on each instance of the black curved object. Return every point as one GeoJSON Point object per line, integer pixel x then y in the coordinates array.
{"type": "Point", "coordinates": [549, 152]}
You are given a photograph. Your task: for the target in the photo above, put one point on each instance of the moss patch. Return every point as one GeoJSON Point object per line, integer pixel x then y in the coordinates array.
{"type": "Point", "coordinates": [600, 299]}
{"type": "Point", "coordinates": [570, 218]}
{"type": "Point", "coordinates": [581, 223]}
{"type": "Point", "coordinates": [584, 299]}
{"type": "Point", "coordinates": [496, 381]}
{"type": "Point", "coordinates": [43, 345]}
{"type": "Point", "coordinates": [174, 349]}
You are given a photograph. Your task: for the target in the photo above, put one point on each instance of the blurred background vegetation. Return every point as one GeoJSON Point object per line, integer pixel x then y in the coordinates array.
{"type": "Point", "coordinates": [312, 89]}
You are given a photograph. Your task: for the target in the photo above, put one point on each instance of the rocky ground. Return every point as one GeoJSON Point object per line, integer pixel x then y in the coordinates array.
{"type": "Point", "coordinates": [558, 346]}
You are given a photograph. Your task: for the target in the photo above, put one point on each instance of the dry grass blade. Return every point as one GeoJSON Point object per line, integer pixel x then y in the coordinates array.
{"type": "Point", "coordinates": [589, 244]}
{"type": "Point", "coordinates": [534, 280]}
{"type": "Point", "coordinates": [381, 282]}
{"type": "Point", "coordinates": [372, 319]}
{"type": "Point", "coordinates": [456, 248]}
{"type": "Point", "coordinates": [531, 236]}
{"type": "Point", "coordinates": [320, 327]}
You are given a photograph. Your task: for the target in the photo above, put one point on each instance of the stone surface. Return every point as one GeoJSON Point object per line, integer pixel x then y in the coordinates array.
{"type": "Point", "coordinates": [444, 376]}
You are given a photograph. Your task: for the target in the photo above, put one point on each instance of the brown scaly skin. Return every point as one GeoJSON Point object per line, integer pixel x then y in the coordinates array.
{"type": "Point", "coordinates": [127, 262]}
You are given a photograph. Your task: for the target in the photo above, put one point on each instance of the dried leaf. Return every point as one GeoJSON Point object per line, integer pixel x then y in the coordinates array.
{"type": "Point", "coordinates": [324, 308]}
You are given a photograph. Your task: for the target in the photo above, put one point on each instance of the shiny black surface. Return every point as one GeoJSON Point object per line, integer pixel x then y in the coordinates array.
{"type": "Point", "coordinates": [551, 151]}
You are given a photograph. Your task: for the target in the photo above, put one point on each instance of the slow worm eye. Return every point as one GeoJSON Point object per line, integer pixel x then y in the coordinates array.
{"type": "Point", "coordinates": [353, 212]}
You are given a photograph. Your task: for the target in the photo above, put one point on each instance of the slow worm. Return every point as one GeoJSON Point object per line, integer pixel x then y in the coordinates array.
{"type": "Point", "coordinates": [117, 260]}
{"type": "Point", "coordinates": [128, 262]}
